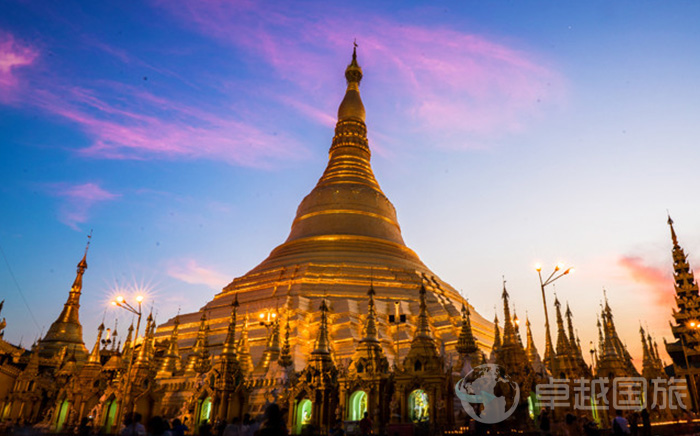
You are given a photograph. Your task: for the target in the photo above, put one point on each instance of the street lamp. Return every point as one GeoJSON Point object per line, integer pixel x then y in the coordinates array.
{"type": "Point", "coordinates": [267, 318]}
{"type": "Point", "coordinates": [694, 325]}
{"type": "Point", "coordinates": [122, 303]}
{"type": "Point", "coordinates": [554, 276]}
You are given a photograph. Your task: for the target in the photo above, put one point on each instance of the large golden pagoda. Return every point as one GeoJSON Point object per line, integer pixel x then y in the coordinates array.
{"type": "Point", "coordinates": [345, 237]}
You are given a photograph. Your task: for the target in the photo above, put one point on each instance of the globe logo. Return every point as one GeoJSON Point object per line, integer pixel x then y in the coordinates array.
{"type": "Point", "coordinates": [487, 394]}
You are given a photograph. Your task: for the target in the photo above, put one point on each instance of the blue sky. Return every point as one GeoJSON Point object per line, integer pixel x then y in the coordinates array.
{"type": "Point", "coordinates": [505, 133]}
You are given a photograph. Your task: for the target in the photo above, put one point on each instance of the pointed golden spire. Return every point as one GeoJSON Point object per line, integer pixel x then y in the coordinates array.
{"type": "Point", "coordinates": [66, 331]}
{"type": "Point", "coordinates": [423, 325]}
{"type": "Point", "coordinates": [322, 345]}
{"type": "Point", "coordinates": [674, 238]}
{"type": "Point", "coordinates": [563, 346]}
{"type": "Point", "coordinates": [95, 354]}
{"type": "Point", "coordinates": [286, 359]}
{"type": "Point", "coordinates": [243, 349]}
{"type": "Point", "coordinates": [171, 361]}
{"type": "Point", "coordinates": [145, 353]}
{"type": "Point", "coordinates": [496, 335]}
{"type": "Point", "coordinates": [531, 349]}
{"type": "Point", "coordinates": [508, 329]}
{"type": "Point", "coordinates": [127, 343]}
{"type": "Point", "coordinates": [466, 344]}
{"type": "Point", "coordinates": [229, 349]}
{"type": "Point", "coordinates": [198, 360]}
{"type": "Point", "coordinates": [370, 329]}
{"type": "Point", "coordinates": [351, 107]}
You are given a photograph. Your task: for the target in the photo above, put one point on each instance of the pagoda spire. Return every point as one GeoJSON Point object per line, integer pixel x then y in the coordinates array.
{"type": "Point", "coordinates": [531, 350]}
{"type": "Point", "coordinates": [516, 327]}
{"type": "Point", "coordinates": [171, 361]}
{"type": "Point", "coordinates": [243, 349]}
{"type": "Point", "coordinates": [127, 342]}
{"type": "Point", "coordinates": [496, 335]}
{"type": "Point", "coordinates": [508, 330]}
{"type": "Point", "coordinates": [322, 346]}
{"type": "Point", "coordinates": [198, 360]}
{"type": "Point", "coordinates": [229, 349]}
{"type": "Point", "coordinates": [423, 325]}
{"type": "Point", "coordinates": [145, 354]}
{"type": "Point", "coordinates": [370, 328]}
{"type": "Point", "coordinates": [466, 344]}
{"type": "Point", "coordinates": [286, 359]}
{"type": "Point", "coordinates": [67, 332]}
{"type": "Point", "coordinates": [95, 354]}
{"type": "Point", "coordinates": [563, 346]}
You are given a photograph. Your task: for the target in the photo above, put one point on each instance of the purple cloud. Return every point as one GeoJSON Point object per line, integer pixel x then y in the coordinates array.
{"type": "Point", "coordinates": [78, 201]}
{"type": "Point", "coordinates": [438, 79]}
{"type": "Point", "coordinates": [13, 55]}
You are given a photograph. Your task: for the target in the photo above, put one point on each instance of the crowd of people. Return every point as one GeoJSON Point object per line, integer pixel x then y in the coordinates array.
{"type": "Point", "coordinates": [635, 424]}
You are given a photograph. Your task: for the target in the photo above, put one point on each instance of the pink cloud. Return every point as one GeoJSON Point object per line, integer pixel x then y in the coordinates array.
{"type": "Point", "coordinates": [441, 80]}
{"type": "Point", "coordinates": [657, 281]}
{"type": "Point", "coordinates": [78, 201]}
{"type": "Point", "coordinates": [189, 271]}
{"type": "Point", "coordinates": [13, 55]}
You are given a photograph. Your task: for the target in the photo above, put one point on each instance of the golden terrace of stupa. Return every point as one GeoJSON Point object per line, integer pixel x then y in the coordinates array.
{"type": "Point", "coordinates": [344, 238]}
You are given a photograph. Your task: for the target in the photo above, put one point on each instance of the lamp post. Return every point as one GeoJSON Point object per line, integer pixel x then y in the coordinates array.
{"type": "Point", "coordinates": [543, 283]}
{"type": "Point", "coordinates": [694, 325]}
{"type": "Point", "coordinates": [122, 303]}
{"type": "Point", "coordinates": [267, 318]}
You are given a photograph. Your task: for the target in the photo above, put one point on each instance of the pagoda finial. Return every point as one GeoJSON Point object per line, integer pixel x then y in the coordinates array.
{"type": "Point", "coordinates": [466, 343]}
{"type": "Point", "coordinates": [370, 330]}
{"type": "Point", "coordinates": [286, 359]}
{"type": "Point", "coordinates": [171, 361]}
{"type": "Point", "coordinates": [322, 341]}
{"type": "Point", "coordinates": [244, 357]}
{"type": "Point", "coordinates": [95, 354]}
{"type": "Point", "coordinates": [229, 348]}
{"type": "Point", "coordinates": [423, 327]}
{"type": "Point", "coordinates": [674, 238]}
{"type": "Point", "coordinates": [351, 106]}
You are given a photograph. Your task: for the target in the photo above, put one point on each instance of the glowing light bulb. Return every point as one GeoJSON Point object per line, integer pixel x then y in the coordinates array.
{"type": "Point", "coordinates": [139, 298]}
{"type": "Point", "coordinates": [120, 299]}
{"type": "Point", "coordinates": [538, 267]}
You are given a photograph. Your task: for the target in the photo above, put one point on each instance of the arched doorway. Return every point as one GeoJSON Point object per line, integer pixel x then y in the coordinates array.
{"type": "Point", "coordinates": [62, 415]}
{"type": "Point", "coordinates": [110, 415]}
{"type": "Point", "coordinates": [357, 405]}
{"type": "Point", "coordinates": [303, 415]}
{"type": "Point", "coordinates": [204, 411]}
{"type": "Point", "coordinates": [6, 411]}
{"type": "Point", "coordinates": [418, 406]}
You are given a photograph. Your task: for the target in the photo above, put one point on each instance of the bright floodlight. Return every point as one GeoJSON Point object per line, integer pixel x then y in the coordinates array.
{"type": "Point", "coordinates": [120, 299]}
{"type": "Point", "coordinates": [262, 315]}
{"type": "Point", "coordinates": [274, 315]}
{"type": "Point", "coordinates": [114, 303]}
{"type": "Point", "coordinates": [560, 265]}
{"type": "Point", "coordinates": [139, 298]}
{"type": "Point", "coordinates": [692, 323]}
{"type": "Point", "coordinates": [538, 267]}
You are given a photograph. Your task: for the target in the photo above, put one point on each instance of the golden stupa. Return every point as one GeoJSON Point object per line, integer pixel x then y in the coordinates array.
{"type": "Point", "coordinates": [345, 237]}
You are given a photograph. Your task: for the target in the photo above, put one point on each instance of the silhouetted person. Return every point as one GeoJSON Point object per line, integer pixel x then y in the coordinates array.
{"type": "Point", "coordinates": [133, 426]}
{"type": "Point", "coordinates": [205, 428]}
{"type": "Point", "coordinates": [646, 422]}
{"type": "Point", "coordinates": [366, 425]}
{"type": "Point", "coordinates": [545, 424]}
{"type": "Point", "coordinates": [620, 425]}
{"type": "Point", "coordinates": [274, 423]}
{"type": "Point", "coordinates": [179, 429]}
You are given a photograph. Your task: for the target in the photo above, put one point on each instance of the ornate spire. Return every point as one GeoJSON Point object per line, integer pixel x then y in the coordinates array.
{"type": "Point", "coordinates": [370, 328]}
{"type": "Point", "coordinates": [198, 360]}
{"type": "Point", "coordinates": [171, 361]}
{"type": "Point", "coordinates": [532, 355]}
{"type": "Point", "coordinates": [351, 107]}
{"type": "Point", "coordinates": [244, 357]}
{"type": "Point", "coordinates": [145, 353]}
{"type": "Point", "coordinates": [496, 335]}
{"type": "Point", "coordinates": [66, 331]}
{"type": "Point", "coordinates": [322, 345]}
{"type": "Point", "coordinates": [286, 359]}
{"type": "Point", "coordinates": [674, 238]}
{"type": "Point", "coordinates": [95, 354]}
{"type": "Point", "coordinates": [466, 344]}
{"type": "Point", "coordinates": [127, 343]}
{"type": "Point", "coordinates": [508, 330]}
{"type": "Point", "coordinates": [563, 346]}
{"type": "Point", "coordinates": [229, 349]}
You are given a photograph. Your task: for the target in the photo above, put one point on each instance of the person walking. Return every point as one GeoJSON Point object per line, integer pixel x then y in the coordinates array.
{"type": "Point", "coordinates": [620, 425]}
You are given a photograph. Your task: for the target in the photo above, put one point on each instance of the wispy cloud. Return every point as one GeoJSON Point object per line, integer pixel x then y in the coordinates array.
{"type": "Point", "coordinates": [13, 55]}
{"type": "Point", "coordinates": [445, 82]}
{"type": "Point", "coordinates": [190, 271]}
{"type": "Point", "coordinates": [126, 122]}
{"type": "Point", "coordinates": [78, 201]}
{"type": "Point", "coordinates": [656, 281]}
